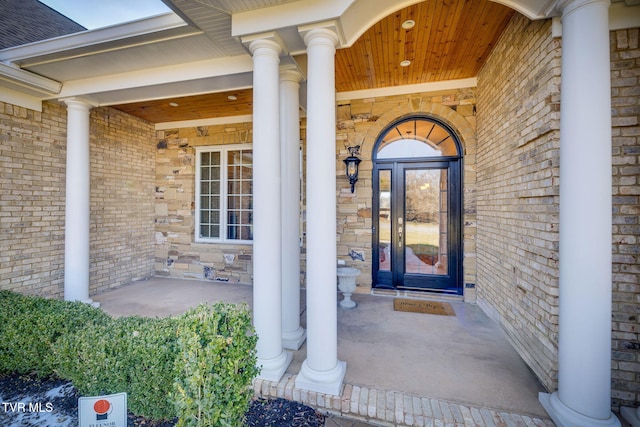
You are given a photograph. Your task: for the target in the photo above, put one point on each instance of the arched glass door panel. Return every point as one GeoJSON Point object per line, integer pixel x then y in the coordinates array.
{"type": "Point", "coordinates": [417, 204]}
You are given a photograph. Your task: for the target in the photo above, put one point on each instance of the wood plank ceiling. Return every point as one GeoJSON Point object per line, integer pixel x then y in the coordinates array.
{"type": "Point", "coordinates": [451, 40]}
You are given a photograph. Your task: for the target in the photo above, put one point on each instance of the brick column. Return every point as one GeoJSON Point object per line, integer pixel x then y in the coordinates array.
{"type": "Point", "coordinates": [76, 234]}
{"type": "Point", "coordinates": [267, 252]}
{"type": "Point", "coordinates": [321, 371]}
{"type": "Point", "coordinates": [584, 349]}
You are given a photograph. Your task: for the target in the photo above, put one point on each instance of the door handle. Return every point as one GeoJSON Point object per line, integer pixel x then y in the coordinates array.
{"type": "Point", "coordinates": [399, 236]}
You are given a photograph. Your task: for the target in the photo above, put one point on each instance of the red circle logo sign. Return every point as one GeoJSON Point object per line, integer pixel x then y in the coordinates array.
{"type": "Point", "coordinates": [102, 408]}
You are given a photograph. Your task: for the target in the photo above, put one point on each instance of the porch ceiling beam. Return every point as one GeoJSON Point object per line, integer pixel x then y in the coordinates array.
{"type": "Point", "coordinates": [228, 69]}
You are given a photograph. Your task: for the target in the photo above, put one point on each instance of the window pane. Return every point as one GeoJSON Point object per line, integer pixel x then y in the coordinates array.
{"type": "Point", "coordinates": [226, 173]}
{"type": "Point", "coordinates": [417, 138]}
{"type": "Point", "coordinates": [384, 221]}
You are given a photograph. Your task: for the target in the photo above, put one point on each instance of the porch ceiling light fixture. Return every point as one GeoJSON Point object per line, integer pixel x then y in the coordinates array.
{"type": "Point", "coordinates": [351, 164]}
{"type": "Point", "coordinates": [408, 24]}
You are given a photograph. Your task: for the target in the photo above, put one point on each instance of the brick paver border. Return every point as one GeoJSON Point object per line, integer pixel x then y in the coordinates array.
{"type": "Point", "coordinates": [394, 408]}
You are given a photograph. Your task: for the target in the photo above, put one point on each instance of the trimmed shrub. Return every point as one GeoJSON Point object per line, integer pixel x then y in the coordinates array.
{"type": "Point", "coordinates": [215, 366]}
{"type": "Point", "coordinates": [198, 366]}
{"type": "Point", "coordinates": [32, 325]}
{"type": "Point", "coordinates": [131, 354]}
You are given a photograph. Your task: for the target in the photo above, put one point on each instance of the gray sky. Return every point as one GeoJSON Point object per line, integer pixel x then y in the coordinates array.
{"type": "Point", "coordinates": [101, 13]}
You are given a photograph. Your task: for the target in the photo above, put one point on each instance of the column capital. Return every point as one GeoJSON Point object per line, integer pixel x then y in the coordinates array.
{"type": "Point", "coordinates": [290, 72]}
{"type": "Point", "coordinates": [264, 43]}
{"type": "Point", "coordinates": [566, 7]}
{"type": "Point", "coordinates": [326, 32]}
{"type": "Point", "coordinates": [78, 103]}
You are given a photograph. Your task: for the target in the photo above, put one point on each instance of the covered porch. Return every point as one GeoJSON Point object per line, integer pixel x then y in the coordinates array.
{"type": "Point", "coordinates": [404, 368]}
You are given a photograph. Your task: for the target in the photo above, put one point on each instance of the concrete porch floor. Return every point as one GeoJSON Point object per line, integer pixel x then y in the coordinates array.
{"type": "Point", "coordinates": [402, 368]}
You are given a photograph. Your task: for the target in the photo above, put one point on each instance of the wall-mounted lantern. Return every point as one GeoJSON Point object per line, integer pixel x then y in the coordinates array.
{"type": "Point", "coordinates": [352, 163]}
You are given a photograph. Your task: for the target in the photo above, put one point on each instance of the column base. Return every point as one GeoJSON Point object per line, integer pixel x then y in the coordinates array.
{"type": "Point", "coordinates": [631, 415]}
{"type": "Point", "coordinates": [294, 340]}
{"type": "Point", "coordinates": [563, 416]}
{"type": "Point", "coordinates": [274, 369]}
{"type": "Point", "coordinates": [327, 382]}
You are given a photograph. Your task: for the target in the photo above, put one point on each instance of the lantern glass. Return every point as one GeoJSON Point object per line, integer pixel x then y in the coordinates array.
{"type": "Point", "coordinates": [351, 164]}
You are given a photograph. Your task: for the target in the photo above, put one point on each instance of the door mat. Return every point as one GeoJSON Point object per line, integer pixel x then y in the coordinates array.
{"type": "Point", "coordinates": [422, 306]}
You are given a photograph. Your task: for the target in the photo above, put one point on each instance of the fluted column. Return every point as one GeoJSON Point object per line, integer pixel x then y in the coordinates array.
{"type": "Point", "coordinates": [321, 371]}
{"type": "Point", "coordinates": [267, 255]}
{"type": "Point", "coordinates": [293, 335]}
{"type": "Point", "coordinates": [584, 350]}
{"type": "Point", "coordinates": [77, 203]}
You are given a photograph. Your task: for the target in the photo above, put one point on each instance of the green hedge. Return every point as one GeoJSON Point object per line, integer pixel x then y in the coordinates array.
{"type": "Point", "coordinates": [198, 366]}
{"type": "Point", "coordinates": [129, 354]}
{"type": "Point", "coordinates": [30, 326]}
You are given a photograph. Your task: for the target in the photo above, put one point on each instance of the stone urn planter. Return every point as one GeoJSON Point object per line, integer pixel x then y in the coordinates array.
{"type": "Point", "coordinates": [347, 285]}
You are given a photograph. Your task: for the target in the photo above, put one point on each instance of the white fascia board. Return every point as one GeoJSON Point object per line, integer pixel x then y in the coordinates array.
{"type": "Point", "coordinates": [287, 15]}
{"type": "Point", "coordinates": [98, 36]}
{"type": "Point", "coordinates": [407, 89]}
{"type": "Point", "coordinates": [157, 76]}
{"type": "Point", "coordinates": [30, 81]}
{"type": "Point", "coordinates": [247, 118]}
{"type": "Point", "coordinates": [20, 99]}
{"type": "Point", "coordinates": [622, 17]}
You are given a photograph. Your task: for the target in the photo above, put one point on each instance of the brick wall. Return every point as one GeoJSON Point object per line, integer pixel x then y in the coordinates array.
{"type": "Point", "coordinates": [32, 199]}
{"type": "Point", "coordinates": [518, 169]}
{"type": "Point", "coordinates": [32, 182]}
{"type": "Point", "coordinates": [176, 253]}
{"type": "Point", "coordinates": [360, 122]}
{"type": "Point", "coordinates": [122, 198]}
{"type": "Point", "coordinates": [625, 86]}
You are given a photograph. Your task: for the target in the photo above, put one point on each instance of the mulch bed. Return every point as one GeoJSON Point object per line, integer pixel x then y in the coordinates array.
{"type": "Point", "coordinates": [63, 398]}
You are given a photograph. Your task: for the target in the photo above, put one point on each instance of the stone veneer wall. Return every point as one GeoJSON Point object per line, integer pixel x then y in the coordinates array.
{"type": "Point", "coordinates": [625, 87]}
{"type": "Point", "coordinates": [360, 122]}
{"type": "Point", "coordinates": [32, 199]}
{"type": "Point", "coordinates": [518, 191]}
{"type": "Point", "coordinates": [176, 253]}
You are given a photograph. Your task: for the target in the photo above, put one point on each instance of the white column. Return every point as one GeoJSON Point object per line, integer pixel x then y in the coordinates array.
{"type": "Point", "coordinates": [293, 335]}
{"type": "Point", "coordinates": [76, 236]}
{"type": "Point", "coordinates": [321, 371]}
{"type": "Point", "coordinates": [584, 353]}
{"type": "Point", "coordinates": [267, 256]}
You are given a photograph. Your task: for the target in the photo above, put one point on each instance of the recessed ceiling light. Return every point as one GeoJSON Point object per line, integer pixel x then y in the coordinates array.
{"type": "Point", "coordinates": [408, 24]}
{"type": "Point", "coordinates": [174, 104]}
{"type": "Point", "coordinates": [232, 97]}
{"type": "Point", "coordinates": [405, 63]}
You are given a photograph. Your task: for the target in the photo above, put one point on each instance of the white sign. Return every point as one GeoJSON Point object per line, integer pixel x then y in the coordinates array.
{"type": "Point", "coordinates": [103, 411]}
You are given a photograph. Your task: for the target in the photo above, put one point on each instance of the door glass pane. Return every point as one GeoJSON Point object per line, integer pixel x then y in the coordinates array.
{"type": "Point", "coordinates": [384, 221]}
{"type": "Point", "coordinates": [417, 138]}
{"type": "Point", "coordinates": [425, 231]}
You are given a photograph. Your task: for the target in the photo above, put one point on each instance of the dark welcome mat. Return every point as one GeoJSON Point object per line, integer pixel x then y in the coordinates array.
{"type": "Point", "coordinates": [422, 306]}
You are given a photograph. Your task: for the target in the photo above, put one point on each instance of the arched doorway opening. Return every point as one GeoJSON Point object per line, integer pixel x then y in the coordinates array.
{"type": "Point", "coordinates": [417, 206]}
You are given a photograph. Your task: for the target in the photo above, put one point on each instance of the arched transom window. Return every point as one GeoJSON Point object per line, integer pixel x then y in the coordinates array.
{"type": "Point", "coordinates": [417, 137]}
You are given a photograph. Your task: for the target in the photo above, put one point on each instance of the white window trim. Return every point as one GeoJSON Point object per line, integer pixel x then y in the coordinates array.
{"type": "Point", "coordinates": [222, 149]}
